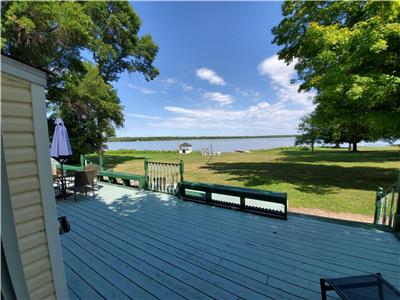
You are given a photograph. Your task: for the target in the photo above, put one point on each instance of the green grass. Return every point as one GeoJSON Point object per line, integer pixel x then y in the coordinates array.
{"type": "Point", "coordinates": [335, 180]}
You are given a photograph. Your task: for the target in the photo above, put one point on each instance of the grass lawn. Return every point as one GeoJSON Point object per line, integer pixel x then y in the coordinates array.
{"type": "Point", "coordinates": [335, 180]}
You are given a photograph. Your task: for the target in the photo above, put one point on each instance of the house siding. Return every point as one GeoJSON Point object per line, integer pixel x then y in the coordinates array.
{"type": "Point", "coordinates": [23, 177]}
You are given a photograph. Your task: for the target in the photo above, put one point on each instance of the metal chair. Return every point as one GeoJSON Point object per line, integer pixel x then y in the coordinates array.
{"type": "Point", "coordinates": [371, 286]}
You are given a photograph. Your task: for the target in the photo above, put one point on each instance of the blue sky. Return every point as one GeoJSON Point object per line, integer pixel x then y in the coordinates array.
{"type": "Point", "coordinates": [219, 73]}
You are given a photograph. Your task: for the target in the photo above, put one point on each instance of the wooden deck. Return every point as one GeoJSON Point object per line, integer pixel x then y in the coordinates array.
{"type": "Point", "coordinates": [144, 245]}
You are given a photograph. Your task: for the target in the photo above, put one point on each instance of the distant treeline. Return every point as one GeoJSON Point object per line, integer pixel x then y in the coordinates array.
{"type": "Point", "coordinates": [175, 138]}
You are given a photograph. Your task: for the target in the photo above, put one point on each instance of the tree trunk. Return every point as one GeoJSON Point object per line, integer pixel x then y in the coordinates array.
{"type": "Point", "coordinates": [312, 147]}
{"type": "Point", "coordinates": [101, 143]}
{"type": "Point", "coordinates": [337, 145]}
{"type": "Point", "coordinates": [349, 147]}
{"type": "Point", "coordinates": [354, 147]}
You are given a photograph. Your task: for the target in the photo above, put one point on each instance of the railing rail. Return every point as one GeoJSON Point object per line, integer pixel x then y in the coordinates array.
{"type": "Point", "coordinates": [387, 206]}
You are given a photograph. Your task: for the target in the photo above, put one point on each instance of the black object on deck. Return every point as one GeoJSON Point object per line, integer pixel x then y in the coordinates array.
{"type": "Point", "coordinates": [363, 287]}
{"type": "Point", "coordinates": [64, 225]}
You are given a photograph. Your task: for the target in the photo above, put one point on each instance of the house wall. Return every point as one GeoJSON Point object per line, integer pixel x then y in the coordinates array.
{"type": "Point", "coordinates": [27, 186]}
{"type": "Point", "coordinates": [23, 178]}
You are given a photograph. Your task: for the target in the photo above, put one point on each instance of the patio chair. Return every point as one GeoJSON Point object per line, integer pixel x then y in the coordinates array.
{"type": "Point", "coordinates": [96, 168]}
{"type": "Point", "coordinates": [371, 286]}
{"type": "Point", "coordinates": [84, 182]}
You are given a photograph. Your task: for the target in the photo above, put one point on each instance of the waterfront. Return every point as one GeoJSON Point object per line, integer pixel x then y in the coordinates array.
{"type": "Point", "coordinates": [218, 145]}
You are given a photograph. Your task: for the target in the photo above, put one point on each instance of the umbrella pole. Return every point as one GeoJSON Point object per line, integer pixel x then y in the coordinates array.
{"type": "Point", "coordinates": [63, 192]}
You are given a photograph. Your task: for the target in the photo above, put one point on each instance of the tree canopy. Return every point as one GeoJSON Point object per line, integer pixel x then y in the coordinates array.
{"type": "Point", "coordinates": [116, 46]}
{"type": "Point", "coordinates": [348, 52]}
{"type": "Point", "coordinates": [85, 46]}
{"type": "Point", "coordinates": [92, 106]}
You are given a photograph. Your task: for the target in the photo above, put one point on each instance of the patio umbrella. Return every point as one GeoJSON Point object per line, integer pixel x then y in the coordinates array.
{"type": "Point", "coordinates": [61, 149]}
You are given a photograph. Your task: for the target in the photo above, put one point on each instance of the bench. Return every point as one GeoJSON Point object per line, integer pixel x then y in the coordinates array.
{"type": "Point", "coordinates": [124, 177]}
{"type": "Point", "coordinates": [246, 199]}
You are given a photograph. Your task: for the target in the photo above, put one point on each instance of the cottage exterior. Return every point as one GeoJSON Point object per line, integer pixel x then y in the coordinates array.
{"type": "Point", "coordinates": [185, 148]}
{"type": "Point", "coordinates": [31, 250]}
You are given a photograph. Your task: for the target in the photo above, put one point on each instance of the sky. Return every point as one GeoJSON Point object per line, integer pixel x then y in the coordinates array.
{"type": "Point", "coordinates": [219, 73]}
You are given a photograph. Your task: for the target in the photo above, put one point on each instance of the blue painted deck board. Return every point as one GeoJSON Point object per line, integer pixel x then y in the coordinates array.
{"type": "Point", "coordinates": [257, 241]}
{"type": "Point", "coordinates": [79, 285]}
{"type": "Point", "coordinates": [97, 280]}
{"type": "Point", "coordinates": [142, 244]}
{"type": "Point", "coordinates": [205, 249]}
{"type": "Point", "coordinates": [189, 265]}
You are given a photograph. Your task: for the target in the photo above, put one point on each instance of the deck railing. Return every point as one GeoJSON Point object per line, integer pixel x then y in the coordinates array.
{"type": "Point", "coordinates": [167, 177]}
{"type": "Point", "coordinates": [120, 178]}
{"type": "Point", "coordinates": [163, 176]}
{"type": "Point", "coordinates": [387, 206]}
{"type": "Point", "coordinates": [246, 199]}
{"type": "Point", "coordinates": [159, 176]}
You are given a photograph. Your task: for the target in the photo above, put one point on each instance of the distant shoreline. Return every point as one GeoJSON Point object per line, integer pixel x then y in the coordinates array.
{"type": "Point", "coordinates": [176, 138]}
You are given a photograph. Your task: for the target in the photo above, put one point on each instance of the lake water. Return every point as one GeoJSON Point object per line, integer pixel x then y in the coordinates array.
{"type": "Point", "coordinates": [222, 145]}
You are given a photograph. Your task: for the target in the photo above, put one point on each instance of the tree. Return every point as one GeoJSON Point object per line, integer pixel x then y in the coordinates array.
{"type": "Point", "coordinates": [53, 35]}
{"type": "Point", "coordinates": [309, 132]}
{"type": "Point", "coordinates": [93, 106]}
{"type": "Point", "coordinates": [48, 35]}
{"type": "Point", "coordinates": [115, 45]}
{"type": "Point", "coordinates": [348, 53]}
{"type": "Point", "coordinates": [44, 34]}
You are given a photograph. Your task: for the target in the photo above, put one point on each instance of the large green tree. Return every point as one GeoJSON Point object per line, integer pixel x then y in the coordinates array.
{"type": "Point", "coordinates": [53, 35]}
{"type": "Point", "coordinates": [116, 46]}
{"type": "Point", "coordinates": [348, 52]}
{"type": "Point", "coordinates": [93, 106]}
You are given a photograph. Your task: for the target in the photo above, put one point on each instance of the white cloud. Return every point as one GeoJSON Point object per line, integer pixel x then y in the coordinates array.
{"type": "Point", "coordinates": [140, 116]}
{"type": "Point", "coordinates": [210, 75]}
{"type": "Point", "coordinates": [186, 87]}
{"type": "Point", "coordinates": [169, 81]}
{"type": "Point", "coordinates": [143, 90]}
{"type": "Point", "coordinates": [248, 93]}
{"type": "Point", "coordinates": [172, 81]}
{"type": "Point", "coordinates": [147, 91]}
{"type": "Point", "coordinates": [281, 75]}
{"type": "Point", "coordinates": [261, 118]}
{"type": "Point", "coordinates": [221, 99]}
{"type": "Point", "coordinates": [279, 115]}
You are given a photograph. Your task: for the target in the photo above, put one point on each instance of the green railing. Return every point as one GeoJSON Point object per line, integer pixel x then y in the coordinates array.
{"type": "Point", "coordinates": [246, 199]}
{"type": "Point", "coordinates": [159, 176]}
{"type": "Point", "coordinates": [168, 177]}
{"type": "Point", "coordinates": [110, 176]}
{"type": "Point", "coordinates": [387, 206]}
{"type": "Point", "coordinates": [72, 168]}
{"type": "Point", "coordinates": [124, 179]}
{"type": "Point", "coordinates": [69, 167]}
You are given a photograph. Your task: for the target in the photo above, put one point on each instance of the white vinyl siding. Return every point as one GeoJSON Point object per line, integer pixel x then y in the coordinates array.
{"type": "Point", "coordinates": [24, 184]}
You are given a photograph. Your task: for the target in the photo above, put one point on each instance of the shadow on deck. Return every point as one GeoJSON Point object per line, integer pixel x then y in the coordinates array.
{"type": "Point", "coordinates": [126, 244]}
